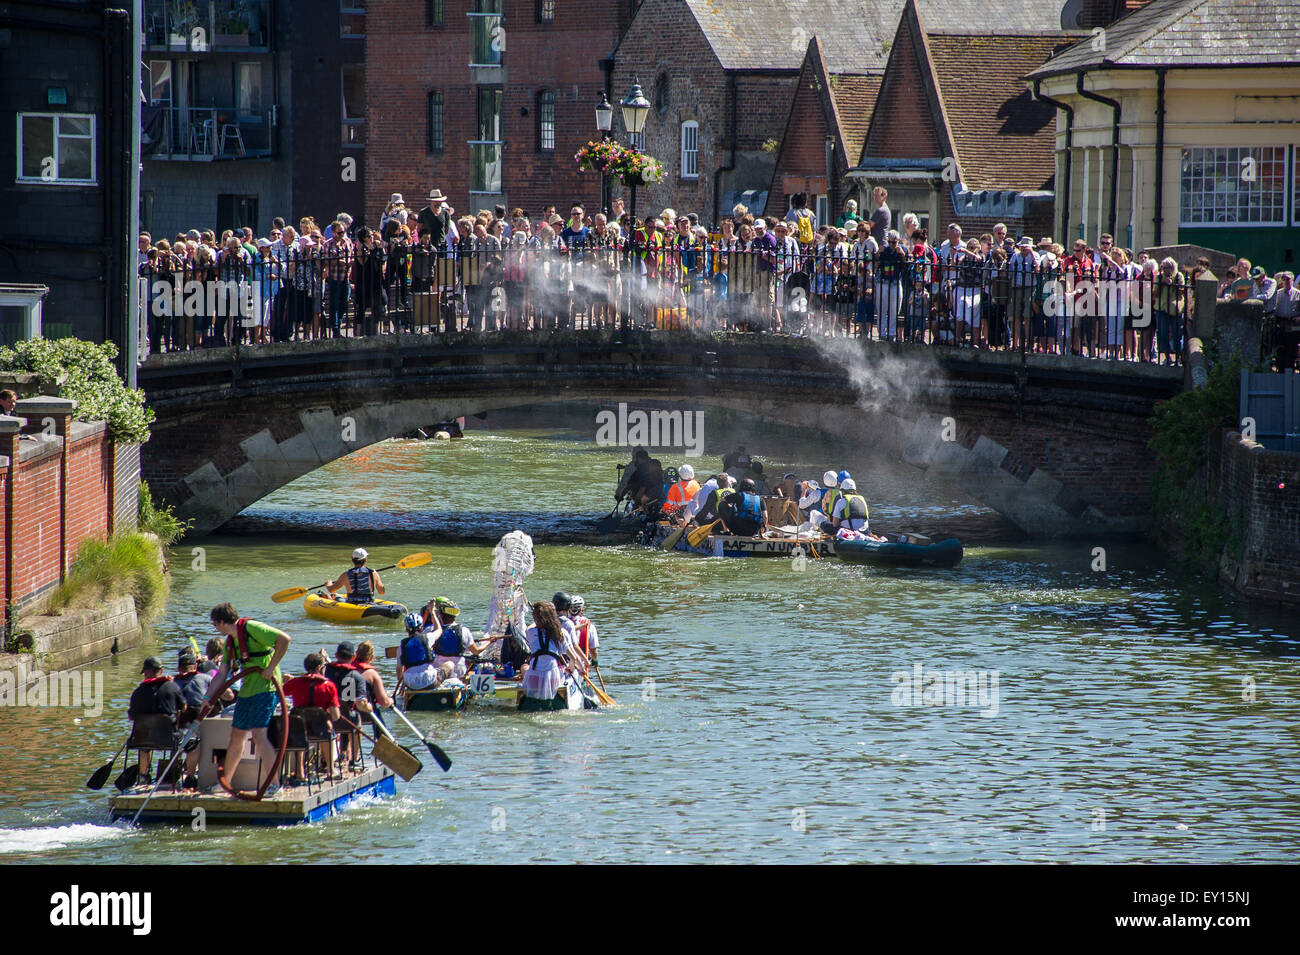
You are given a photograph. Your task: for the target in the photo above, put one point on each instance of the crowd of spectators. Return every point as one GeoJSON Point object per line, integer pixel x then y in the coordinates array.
{"type": "Point", "coordinates": [859, 277]}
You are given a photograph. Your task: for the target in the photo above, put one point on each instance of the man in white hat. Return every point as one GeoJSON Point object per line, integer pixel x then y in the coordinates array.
{"type": "Point", "coordinates": [362, 582]}
{"type": "Point", "coordinates": [434, 219]}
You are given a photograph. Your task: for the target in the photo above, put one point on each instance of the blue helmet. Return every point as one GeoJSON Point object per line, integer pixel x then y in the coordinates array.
{"type": "Point", "coordinates": [842, 477]}
{"type": "Point", "coordinates": [414, 621]}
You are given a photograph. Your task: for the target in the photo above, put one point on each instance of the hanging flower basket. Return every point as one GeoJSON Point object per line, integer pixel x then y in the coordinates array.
{"type": "Point", "coordinates": [612, 159]}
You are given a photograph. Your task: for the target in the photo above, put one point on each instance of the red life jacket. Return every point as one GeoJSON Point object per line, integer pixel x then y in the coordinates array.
{"type": "Point", "coordinates": [314, 680]}
{"type": "Point", "coordinates": [363, 667]}
{"type": "Point", "coordinates": [582, 629]}
{"type": "Point", "coordinates": [155, 679]}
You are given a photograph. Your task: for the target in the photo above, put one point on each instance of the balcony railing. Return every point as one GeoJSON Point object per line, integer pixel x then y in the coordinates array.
{"type": "Point", "coordinates": [207, 134]}
{"type": "Point", "coordinates": [206, 26]}
{"type": "Point", "coordinates": [485, 166]}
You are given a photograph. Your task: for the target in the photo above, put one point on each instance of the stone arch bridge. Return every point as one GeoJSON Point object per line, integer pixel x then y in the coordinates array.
{"type": "Point", "coordinates": [1055, 444]}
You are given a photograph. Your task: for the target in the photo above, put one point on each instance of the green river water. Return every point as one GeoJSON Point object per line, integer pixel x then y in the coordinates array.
{"type": "Point", "coordinates": [758, 719]}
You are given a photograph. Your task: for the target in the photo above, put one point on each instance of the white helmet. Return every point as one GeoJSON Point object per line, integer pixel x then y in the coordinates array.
{"type": "Point", "coordinates": [829, 479]}
{"type": "Point", "coordinates": [849, 485]}
{"type": "Point", "coordinates": [360, 554]}
{"type": "Point", "coordinates": [687, 472]}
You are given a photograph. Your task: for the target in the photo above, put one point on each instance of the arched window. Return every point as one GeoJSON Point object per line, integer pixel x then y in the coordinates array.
{"type": "Point", "coordinates": [546, 121]}
{"type": "Point", "coordinates": [690, 150]}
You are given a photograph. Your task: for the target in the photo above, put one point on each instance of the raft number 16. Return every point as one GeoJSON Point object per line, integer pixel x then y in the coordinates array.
{"type": "Point", "coordinates": [483, 684]}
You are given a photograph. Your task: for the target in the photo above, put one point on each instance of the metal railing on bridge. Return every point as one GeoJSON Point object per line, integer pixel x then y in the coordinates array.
{"type": "Point", "coordinates": [1138, 312]}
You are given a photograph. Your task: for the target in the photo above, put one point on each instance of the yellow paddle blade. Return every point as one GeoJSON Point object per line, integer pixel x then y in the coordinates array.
{"type": "Point", "coordinates": [696, 537]}
{"type": "Point", "coordinates": [414, 560]}
{"type": "Point", "coordinates": [289, 593]}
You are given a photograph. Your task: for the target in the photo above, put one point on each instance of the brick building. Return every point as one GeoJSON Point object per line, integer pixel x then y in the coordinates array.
{"type": "Point", "coordinates": [487, 100]}
{"type": "Point", "coordinates": [721, 75]}
{"type": "Point", "coordinates": [955, 135]}
{"type": "Point", "coordinates": [67, 140]}
{"type": "Point", "coordinates": [824, 134]}
{"type": "Point", "coordinates": [253, 109]}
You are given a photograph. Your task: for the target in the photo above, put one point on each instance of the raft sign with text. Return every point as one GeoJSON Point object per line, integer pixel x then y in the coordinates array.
{"type": "Point", "coordinates": [651, 429]}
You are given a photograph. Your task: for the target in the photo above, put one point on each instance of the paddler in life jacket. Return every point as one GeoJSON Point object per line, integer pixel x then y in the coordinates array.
{"type": "Point", "coordinates": [742, 511]}
{"type": "Point", "coordinates": [347, 679]}
{"type": "Point", "coordinates": [551, 650]}
{"type": "Point", "coordinates": [415, 667]}
{"type": "Point", "coordinates": [376, 693]}
{"type": "Point", "coordinates": [313, 688]}
{"type": "Point", "coordinates": [851, 509]}
{"type": "Point", "coordinates": [833, 492]}
{"type": "Point", "coordinates": [682, 491]}
{"type": "Point", "coordinates": [258, 648]}
{"type": "Point", "coordinates": [710, 498]}
{"type": "Point", "coordinates": [455, 640]}
{"type": "Point", "coordinates": [362, 582]}
{"type": "Point", "coordinates": [157, 694]}
{"type": "Point", "coordinates": [584, 630]}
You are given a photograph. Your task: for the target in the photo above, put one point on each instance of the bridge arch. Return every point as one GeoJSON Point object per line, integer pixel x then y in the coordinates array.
{"type": "Point", "coordinates": [1059, 451]}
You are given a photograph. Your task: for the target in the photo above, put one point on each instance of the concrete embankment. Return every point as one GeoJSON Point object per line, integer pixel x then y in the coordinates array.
{"type": "Point", "coordinates": [75, 638]}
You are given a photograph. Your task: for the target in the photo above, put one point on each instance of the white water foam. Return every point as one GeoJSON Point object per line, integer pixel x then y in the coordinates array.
{"type": "Point", "coordinates": [44, 838]}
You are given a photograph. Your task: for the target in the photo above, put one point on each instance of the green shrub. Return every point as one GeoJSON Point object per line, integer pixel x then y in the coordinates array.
{"type": "Point", "coordinates": [126, 565]}
{"type": "Point", "coordinates": [86, 373]}
{"type": "Point", "coordinates": [160, 520]}
{"type": "Point", "coordinates": [1181, 427]}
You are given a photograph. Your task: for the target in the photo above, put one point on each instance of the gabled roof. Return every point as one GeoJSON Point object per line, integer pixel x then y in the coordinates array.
{"type": "Point", "coordinates": [1189, 33]}
{"type": "Point", "coordinates": [854, 96]}
{"type": "Point", "coordinates": [1002, 138]}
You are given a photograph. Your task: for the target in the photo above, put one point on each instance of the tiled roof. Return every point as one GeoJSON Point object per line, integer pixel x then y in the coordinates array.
{"type": "Point", "coordinates": [855, 98]}
{"type": "Point", "coordinates": [1192, 33]}
{"type": "Point", "coordinates": [774, 34]}
{"type": "Point", "coordinates": [1003, 138]}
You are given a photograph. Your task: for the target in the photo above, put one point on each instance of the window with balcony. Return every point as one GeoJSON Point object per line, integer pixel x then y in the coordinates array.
{"type": "Point", "coordinates": [354, 105]}
{"type": "Point", "coordinates": [56, 149]}
{"type": "Point", "coordinates": [352, 19]}
{"type": "Point", "coordinates": [546, 121]}
{"type": "Point", "coordinates": [545, 11]}
{"type": "Point", "coordinates": [487, 34]}
{"type": "Point", "coordinates": [437, 122]}
{"type": "Point", "coordinates": [691, 151]}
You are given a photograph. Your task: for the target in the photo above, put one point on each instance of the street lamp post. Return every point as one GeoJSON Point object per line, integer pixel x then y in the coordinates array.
{"type": "Point", "coordinates": [635, 108]}
{"type": "Point", "coordinates": [604, 123]}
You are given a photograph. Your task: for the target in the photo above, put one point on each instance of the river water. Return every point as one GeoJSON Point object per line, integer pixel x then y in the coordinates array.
{"type": "Point", "coordinates": [1138, 714]}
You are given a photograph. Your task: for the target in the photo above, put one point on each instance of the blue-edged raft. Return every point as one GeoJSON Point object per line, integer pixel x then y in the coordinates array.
{"type": "Point", "coordinates": [901, 552]}
{"type": "Point", "coordinates": [292, 804]}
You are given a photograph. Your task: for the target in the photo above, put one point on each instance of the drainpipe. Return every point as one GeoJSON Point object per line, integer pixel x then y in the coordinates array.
{"type": "Point", "coordinates": [1114, 148]}
{"type": "Point", "coordinates": [1158, 218]}
{"type": "Point", "coordinates": [1069, 155]}
{"type": "Point", "coordinates": [730, 167]}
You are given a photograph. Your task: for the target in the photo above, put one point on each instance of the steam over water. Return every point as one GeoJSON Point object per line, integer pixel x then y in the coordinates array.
{"type": "Point", "coordinates": [760, 718]}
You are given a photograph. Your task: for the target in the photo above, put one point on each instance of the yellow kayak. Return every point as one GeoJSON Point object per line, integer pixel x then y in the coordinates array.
{"type": "Point", "coordinates": [322, 607]}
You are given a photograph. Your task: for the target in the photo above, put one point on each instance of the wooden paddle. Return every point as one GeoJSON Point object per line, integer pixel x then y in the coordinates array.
{"type": "Point", "coordinates": [393, 755]}
{"type": "Point", "coordinates": [100, 776]}
{"type": "Point", "coordinates": [671, 540]}
{"type": "Point", "coordinates": [406, 563]}
{"type": "Point", "coordinates": [696, 537]}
